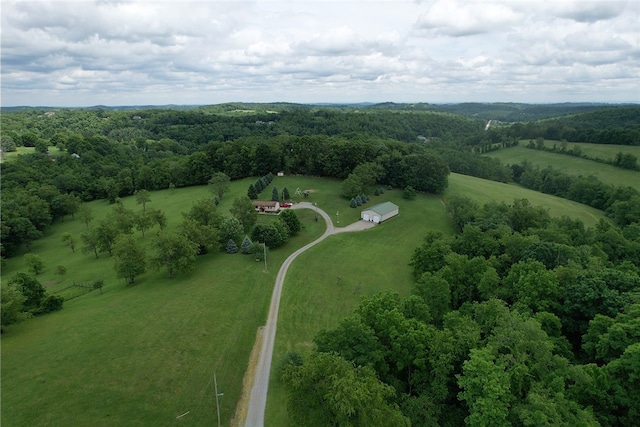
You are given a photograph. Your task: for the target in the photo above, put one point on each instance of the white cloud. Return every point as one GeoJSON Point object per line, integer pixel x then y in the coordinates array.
{"type": "Point", "coordinates": [171, 51]}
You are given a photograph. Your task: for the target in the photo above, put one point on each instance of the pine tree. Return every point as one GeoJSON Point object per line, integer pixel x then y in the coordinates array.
{"type": "Point", "coordinates": [252, 193]}
{"type": "Point", "coordinates": [245, 247]}
{"type": "Point", "coordinates": [275, 196]}
{"type": "Point", "coordinates": [285, 194]}
{"type": "Point", "coordinates": [353, 203]}
{"type": "Point", "coordinates": [232, 247]}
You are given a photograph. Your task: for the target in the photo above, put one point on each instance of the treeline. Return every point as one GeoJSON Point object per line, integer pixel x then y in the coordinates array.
{"type": "Point", "coordinates": [611, 126]}
{"type": "Point", "coordinates": [622, 204]}
{"type": "Point", "coordinates": [519, 320]}
{"type": "Point", "coordinates": [621, 160]}
{"type": "Point", "coordinates": [195, 127]}
{"type": "Point", "coordinates": [41, 188]}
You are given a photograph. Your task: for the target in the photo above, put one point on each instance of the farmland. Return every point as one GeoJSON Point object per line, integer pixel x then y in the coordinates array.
{"type": "Point", "coordinates": [570, 165]}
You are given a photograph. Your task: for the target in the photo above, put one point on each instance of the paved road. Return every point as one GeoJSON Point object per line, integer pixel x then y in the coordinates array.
{"type": "Point", "coordinates": [258, 396]}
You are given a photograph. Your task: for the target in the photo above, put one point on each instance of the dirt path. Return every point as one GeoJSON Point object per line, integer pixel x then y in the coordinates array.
{"type": "Point", "coordinates": [260, 382]}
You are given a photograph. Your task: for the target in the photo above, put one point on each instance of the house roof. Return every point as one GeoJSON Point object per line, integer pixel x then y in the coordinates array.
{"type": "Point", "coordinates": [383, 208]}
{"type": "Point", "coordinates": [264, 204]}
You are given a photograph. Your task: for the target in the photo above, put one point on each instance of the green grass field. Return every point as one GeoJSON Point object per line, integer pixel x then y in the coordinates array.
{"type": "Point", "coordinates": [571, 165]}
{"type": "Point", "coordinates": [483, 190]}
{"type": "Point", "coordinates": [602, 151]}
{"type": "Point", "coordinates": [25, 150]}
{"type": "Point", "coordinates": [139, 355]}
{"type": "Point", "coordinates": [145, 354]}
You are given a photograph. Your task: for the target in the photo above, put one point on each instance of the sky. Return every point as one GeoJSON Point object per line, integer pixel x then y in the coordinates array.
{"type": "Point", "coordinates": [129, 52]}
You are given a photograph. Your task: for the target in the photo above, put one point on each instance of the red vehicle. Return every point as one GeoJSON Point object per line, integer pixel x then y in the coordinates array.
{"type": "Point", "coordinates": [285, 205]}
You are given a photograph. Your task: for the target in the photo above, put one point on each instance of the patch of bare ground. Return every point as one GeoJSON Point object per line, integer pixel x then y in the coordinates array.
{"type": "Point", "coordinates": [240, 416]}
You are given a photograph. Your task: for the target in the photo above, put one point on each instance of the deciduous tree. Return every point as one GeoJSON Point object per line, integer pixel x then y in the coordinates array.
{"type": "Point", "coordinates": [175, 252]}
{"type": "Point", "coordinates": [244, 211]}
{"type": "Point", "coordinates": [219, 184]}
{"type": "Point", "coordinates": [130, 258]}
{"type": "Point", "coordinates": [142, 198]}
{"type": "Point", "coordinates": [34, 263]}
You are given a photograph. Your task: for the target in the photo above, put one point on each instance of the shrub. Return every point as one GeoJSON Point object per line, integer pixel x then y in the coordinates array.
{"type": "Point", "coordinates": [409, 193]}
{"type": "Point", "coordinates": [51, 303]}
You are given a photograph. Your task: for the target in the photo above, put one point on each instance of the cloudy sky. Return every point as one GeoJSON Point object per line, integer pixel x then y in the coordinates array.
{"type": "Point", "coordinates": [130, 52]}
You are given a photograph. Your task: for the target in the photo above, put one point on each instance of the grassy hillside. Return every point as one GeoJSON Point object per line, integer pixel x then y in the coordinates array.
{"type": "Point", "coordinates": [570, 165]}
{"type": "Point", "coordinates": [138, 355]}
{"type": "Point", "coordinates": [483, 190]}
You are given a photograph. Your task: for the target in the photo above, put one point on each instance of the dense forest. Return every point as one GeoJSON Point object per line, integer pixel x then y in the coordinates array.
{"type": "Point", "coordinates": [520, 319]}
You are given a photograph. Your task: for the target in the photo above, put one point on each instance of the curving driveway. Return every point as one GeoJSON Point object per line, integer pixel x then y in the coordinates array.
{"type": "Point", "coordinates": [258, 396]}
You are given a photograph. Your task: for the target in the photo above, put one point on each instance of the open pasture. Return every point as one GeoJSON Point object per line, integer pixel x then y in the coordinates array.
{"type": "Point", "coordinates": [484, 190]}
{"type": "Point", "coordinates": [602, 151]}
{"type": "Point", "coordinates": [139, 355]}
{"type": "Point", "coordinates": [570, 165]}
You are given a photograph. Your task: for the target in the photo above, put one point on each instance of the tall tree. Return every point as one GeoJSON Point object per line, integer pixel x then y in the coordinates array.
{"type": "Point", "coordinates": [205, 236]}
{"type": "Point", "coordinates": [252, 193]}
{"type": "Point", "coordinates": [175, 252]}
{"type": "Point", "coordinates": [328, 390]}
{"type": "Point", "coordinates": [34, 263]}
{"type": "Point", "coordinates": [142, 198]}
{"type": "Point", "coordinates": [219, 184]}
{"type": "Point", "coordinates": [90, 242]}
{"type": "Point", "coordinates": [130, 257]}
{"type": "Point", "coordinates": [244, 210]}
{"type": "Point", "coordinates": [205, 212]}
{"type": "Point", "coordinates": [31, 289]}
{"type": "Point", "coordinates": [12, 301]}
{"type": "Point", "coordinates": [70, 241]}
{"type": "Point", "coordinates": [85, 214]}
{"type": "Point", "coordinates": [291, 221]}
{"type": "Point", "coordinates": [230, 229]}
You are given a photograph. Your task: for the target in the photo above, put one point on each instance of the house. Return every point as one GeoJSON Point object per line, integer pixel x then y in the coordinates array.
{"type": "Point", "coordinates": [380, 212]}
{"type": "Point", "coordinates": [266, 207]}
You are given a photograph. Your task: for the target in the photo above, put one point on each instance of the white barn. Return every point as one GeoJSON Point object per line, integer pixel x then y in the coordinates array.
{"type": "Point", "coordinates": [380, 212]}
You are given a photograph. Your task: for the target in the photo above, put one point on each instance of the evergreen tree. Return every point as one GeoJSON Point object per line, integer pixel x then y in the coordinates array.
{"type": "Point", "coordinates": [275, 196]}
{"type": "Point", "coordinates": [353, 203]}
{"type": "Point", "coordinates": [246, 245]}
{"type": "Point", "coordinates": [285, 194]}
{"type": "Point", "coordinates": [232, 247]}
{"type": "Point", "coordinates": [252, 193]}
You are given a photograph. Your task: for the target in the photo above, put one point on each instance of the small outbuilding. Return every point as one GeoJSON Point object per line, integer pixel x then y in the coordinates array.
{"type": "Point", "coordinates": [380, 212]}
{"type": "Point", "coordinates": [266, 207]}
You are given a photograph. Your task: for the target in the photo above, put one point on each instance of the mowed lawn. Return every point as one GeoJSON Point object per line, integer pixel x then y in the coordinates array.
{"type": "Point", "coordinates": [568, 164]}
{"type": "Point", "coordinates": [145, 354]}
{"type": "Point", "coordinates": [326, 283]}
{"type": "Point", "coordinates": [483, 190]}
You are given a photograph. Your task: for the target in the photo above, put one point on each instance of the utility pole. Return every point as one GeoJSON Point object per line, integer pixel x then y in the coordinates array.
{"type": "Point", "coordinates": [215, 382]}
{"type": "Point", "coordinates": [264, 246]}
